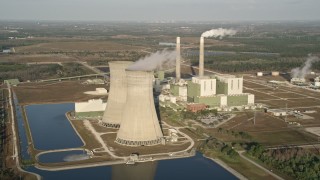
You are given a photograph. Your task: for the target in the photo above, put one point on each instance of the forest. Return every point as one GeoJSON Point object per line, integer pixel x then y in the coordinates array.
{"type": "Point", "coordinates": [297, 162]}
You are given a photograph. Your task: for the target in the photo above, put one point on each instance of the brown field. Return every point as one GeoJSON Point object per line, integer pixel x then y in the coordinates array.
{"type": "Point", "coordinates": [287, 95]}
{"type": "Point", "coordinates": [75, 46]}
{"type": "Point", "coordinates": [260, 95]}
{"type": "Point", "coordinates": [270, 90]}
{"type": "Point", "coordinates": [288, 136]}
{"type": "Point", "coordinates": [304, 102]}
{"type": "Point", "coordinates": [273, 104]}
{"type": "Point", "coordinates": [36, 58]}
{"type": "Point", "coordinates": [264, 122]}
{"type": "Point", "coordinates": [64, 91]}
{"type": "Point", "coordinates": [253, 85]}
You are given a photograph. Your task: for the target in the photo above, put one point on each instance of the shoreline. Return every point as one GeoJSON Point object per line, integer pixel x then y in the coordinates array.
{"type": "Point", "coordinates": [226, 167]}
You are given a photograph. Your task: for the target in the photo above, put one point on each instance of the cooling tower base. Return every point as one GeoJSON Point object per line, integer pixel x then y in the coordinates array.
{"type": "Point", "coordinates": [139, 143]}
{"type": "Point", "coordinates": [110, 125]}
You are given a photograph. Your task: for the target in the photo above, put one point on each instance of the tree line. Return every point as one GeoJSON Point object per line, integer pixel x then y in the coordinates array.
{"type": "Point", "coordinates": [296, 162]}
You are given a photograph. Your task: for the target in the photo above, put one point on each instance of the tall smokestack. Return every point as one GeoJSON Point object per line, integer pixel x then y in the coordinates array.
{"type": "Point", "coordinates": [140, 125]}
{"type": "Point", "coordinates": [178, 76]}
{"type": "Point", "coordinates": [201, 57]}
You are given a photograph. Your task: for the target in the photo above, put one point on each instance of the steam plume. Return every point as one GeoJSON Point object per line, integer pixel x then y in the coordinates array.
{"type": "Point", "coordinates": [154, 61]}
{"type": "Point", "coordinates": [219, 33]}
{"type": "Point", "coordinates": [301, 72]}
{"type": "Point", "coordinates": [76, 157]}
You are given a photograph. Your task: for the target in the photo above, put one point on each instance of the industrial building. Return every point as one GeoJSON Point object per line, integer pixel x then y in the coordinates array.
{"type": "Point", "coordinates": [275, 73]}
{"type": "Point", "coordinates": [92, 109]}
{"type": "Point", "coordinates": [140, 125]}
{"type": "Point", "coordinates": [194, 107]}
{"type": "Point", "coordinates": [98, 92]}
{"type": "Point", "coordinates": [259, 74]}
{"type": "Point", "coordinates": [217, 91]}
{"type": "Point", "coordinates": [277, 112]}
{"type": "Point", "coordinates": [317, 81]}
{"type": "Point", "coordinates": [12, 82]}
{"type": "Point", "coordinates": [298, 80]}
{"type": "Point", "coordinates": [117, 94]}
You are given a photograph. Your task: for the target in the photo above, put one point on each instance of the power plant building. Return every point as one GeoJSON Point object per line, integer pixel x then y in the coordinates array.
{"type": "Point", "coordinates": [218, 91]}
{"type": "Point", "coordinates": [91, 109]}
{"type": "Point", "coordinates": [229, 85]}
{"type": "Point", "coordinates": [140, 125]}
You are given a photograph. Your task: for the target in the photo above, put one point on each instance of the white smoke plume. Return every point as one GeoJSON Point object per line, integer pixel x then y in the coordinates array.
{"type": "Point", "coordinates": [301, 72]}
{"type": "Point", "coordinates": [76, 157]}
{"type": "Point", "coordinates": [221, 33]}
{"type": "Point", "coordinates": [154, 61]}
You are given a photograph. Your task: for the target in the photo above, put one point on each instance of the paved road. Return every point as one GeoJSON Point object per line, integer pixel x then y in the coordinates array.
{"type": "Point", "coordinates": [259, 166]}
{"type": "Point", "coordinates": [92, 68]}
{"type": "Point", "coordinates": [15, 139]}
{"type": "Point", "coordinates": [100, 140]}
{"type": "Point", "coordinates": [311, 145]}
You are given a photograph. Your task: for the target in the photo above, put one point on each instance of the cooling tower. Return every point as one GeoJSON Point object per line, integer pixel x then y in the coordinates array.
{"type": "Point", "coordinates": [178, 60]}
{"type": "Point", "coordinates": [140, 124]}
{"type": "Point", "coordinates": [117, 94]}
{"type": "Point", "coordinates": [201, 57]}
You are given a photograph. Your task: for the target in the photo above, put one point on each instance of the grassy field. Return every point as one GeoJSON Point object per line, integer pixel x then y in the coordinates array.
{"type": "Point", "coordinates": [242, 166]}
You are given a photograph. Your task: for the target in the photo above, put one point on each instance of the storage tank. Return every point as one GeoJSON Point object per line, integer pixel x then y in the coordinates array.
{"type": "Point", "coordinates": [140, 125]}
{"type": "Point", "coordinates": [259, 74]}
{"type": "Point", "coordinates": [117, 94]}
{"type": "Point", "coordinates": [275, 73]}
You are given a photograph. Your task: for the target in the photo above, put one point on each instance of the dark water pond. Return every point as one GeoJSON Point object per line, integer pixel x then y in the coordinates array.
{"type": "Point", "coordinates": [51, 130]}
{"type": "Point", "coordinates": [50, 127]}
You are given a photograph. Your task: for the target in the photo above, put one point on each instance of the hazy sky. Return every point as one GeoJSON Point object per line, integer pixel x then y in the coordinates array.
{"type": "Point", "coordinates": [194, 10]}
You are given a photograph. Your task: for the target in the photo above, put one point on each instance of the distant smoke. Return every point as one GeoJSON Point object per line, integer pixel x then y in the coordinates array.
{"type": "Point", "coordinates": [154, 61]}
{"type": "Point", "coordinates": [76, 157]}
{"type": "Point", "coordinates": [219, 33]}
{"type": "Point", "coordinates": [301, 72]}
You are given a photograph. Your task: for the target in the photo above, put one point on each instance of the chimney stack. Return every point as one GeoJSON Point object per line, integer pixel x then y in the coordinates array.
{"type": "Point", "coordinates": [201, 57]}
{"type": "Point", "coordinates": [178, 76]}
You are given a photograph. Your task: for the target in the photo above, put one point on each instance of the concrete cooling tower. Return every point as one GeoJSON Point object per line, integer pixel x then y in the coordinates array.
{"type": "Point", "coordinates": [117, 95]}
{"type": "Point", "coordinates": [140, 124]}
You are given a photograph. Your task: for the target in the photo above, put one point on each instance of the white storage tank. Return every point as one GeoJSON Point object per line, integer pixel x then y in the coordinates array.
{"type": "Point", "coordinates": [259, 73]}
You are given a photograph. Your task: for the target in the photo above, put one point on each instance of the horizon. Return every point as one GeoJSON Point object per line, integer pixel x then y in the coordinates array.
{"type": "Point", "coordinates": [165, 10]}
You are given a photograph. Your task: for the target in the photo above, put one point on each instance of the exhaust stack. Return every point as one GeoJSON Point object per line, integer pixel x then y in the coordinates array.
{"type": "Point", "coordinates": [201, 57]}
{"type": "Point", "coordinates": [178, 58]}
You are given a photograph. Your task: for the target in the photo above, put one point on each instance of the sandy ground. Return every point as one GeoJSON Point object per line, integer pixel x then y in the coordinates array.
{"type": "Point", "coordinates": [314, 130]}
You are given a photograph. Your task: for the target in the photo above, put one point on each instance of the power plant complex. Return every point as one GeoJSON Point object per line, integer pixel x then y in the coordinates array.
{"type": "Point", "coordinates": [131, 102]}
{"type": "Point", "coordinates": [216, 91]}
